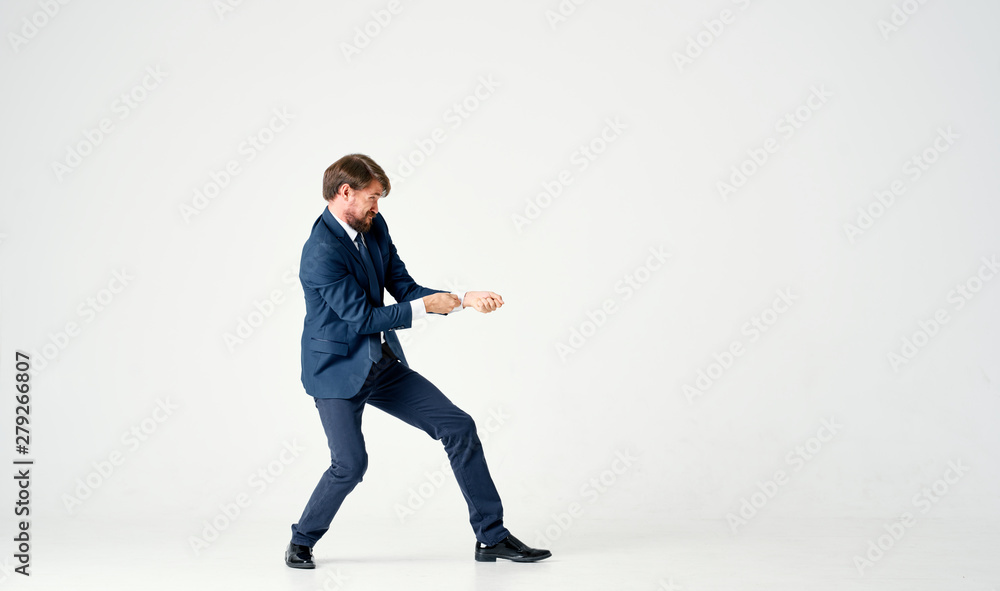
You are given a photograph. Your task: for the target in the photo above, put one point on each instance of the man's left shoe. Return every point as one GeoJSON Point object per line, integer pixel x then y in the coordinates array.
{"type": "Point", "coordinates": [510, 548]}
{"type": "Point", "coordinates": [298, 556]}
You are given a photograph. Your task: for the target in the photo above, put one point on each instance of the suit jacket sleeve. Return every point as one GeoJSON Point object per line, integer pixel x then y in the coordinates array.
{"type": "Point", "coordinates": [325, 270]}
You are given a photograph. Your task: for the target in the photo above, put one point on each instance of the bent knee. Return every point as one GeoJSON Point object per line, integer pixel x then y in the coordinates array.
{"type": "Point", "coordinates": [462, 427]}
{"type": "Point", "coordinates": [349, 469]}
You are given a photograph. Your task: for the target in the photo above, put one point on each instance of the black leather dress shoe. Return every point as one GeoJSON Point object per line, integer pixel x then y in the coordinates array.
{"type": "Point", "coordinates": [297, 556]}
{"type": "Point", "coordinates": [510, 548]}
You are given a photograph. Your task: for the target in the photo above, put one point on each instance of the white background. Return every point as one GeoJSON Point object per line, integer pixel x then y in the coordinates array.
{"type": "Point", "coordinates": [478, 212]}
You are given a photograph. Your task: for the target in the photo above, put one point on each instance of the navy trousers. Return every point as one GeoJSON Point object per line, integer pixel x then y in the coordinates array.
{"type": "Point", "coordinates": [403, 393]}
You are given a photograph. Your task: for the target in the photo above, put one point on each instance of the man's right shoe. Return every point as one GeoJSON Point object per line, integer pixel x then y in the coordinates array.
{"type": "Point", "coordinates": [297, 556]}
{"type": "Point", "coordinates": [510, 548]}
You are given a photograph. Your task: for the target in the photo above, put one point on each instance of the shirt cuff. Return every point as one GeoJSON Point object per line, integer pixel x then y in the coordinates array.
{"type": "Point", "coordinates": [461, 299]}
{"type": "Point", "coordinates": [418, 309]}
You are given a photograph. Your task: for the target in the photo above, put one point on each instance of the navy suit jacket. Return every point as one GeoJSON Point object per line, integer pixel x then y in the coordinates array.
{"type": "Point", "coordinates": [345, 311]}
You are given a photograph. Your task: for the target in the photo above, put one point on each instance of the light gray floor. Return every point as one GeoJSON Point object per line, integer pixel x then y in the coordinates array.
{"type": "Point", "coordinates": [940, 555]}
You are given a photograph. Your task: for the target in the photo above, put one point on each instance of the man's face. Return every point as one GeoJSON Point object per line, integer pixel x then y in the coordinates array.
{"type": "Point", "coordinates": [362, 206]}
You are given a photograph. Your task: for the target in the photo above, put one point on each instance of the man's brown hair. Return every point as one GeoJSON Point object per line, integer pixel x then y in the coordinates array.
{"type": "Point", "coordinates": [357, 170]}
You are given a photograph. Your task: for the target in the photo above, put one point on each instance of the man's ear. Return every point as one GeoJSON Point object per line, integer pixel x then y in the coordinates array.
{"type": "Point", "coordinates": [344, 190]}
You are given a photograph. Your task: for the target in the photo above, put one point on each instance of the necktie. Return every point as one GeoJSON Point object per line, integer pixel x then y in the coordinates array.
{"type": "Point", "coordinates": [375, 342]}
{"type": "Point", "coordinates": [366, 260]}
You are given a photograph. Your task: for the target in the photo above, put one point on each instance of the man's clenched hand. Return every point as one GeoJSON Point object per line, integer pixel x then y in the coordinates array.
{"type": "Point", "coordinates": [483, 301]}
{"type": "Point", "coordinates": [440, 303]}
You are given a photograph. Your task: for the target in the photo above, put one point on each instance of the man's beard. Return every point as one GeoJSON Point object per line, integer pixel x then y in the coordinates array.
{"type": "Point", "coordinates": [359, 224]}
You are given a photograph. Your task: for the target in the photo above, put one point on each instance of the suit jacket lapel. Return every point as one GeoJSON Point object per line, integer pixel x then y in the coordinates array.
{"type": "Point", "coordinates": [341, 235]}
{"type": "Point", "coordinates": [337, 230]}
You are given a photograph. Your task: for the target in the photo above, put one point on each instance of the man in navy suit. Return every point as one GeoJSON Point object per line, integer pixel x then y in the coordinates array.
{"type": "Point", "coordinates": [351, 358]}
